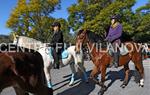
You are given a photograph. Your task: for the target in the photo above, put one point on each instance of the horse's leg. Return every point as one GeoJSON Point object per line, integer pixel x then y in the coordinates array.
{"type": "Point", "coordinates": [13, 89]}
{"type": "Point", "coordinates": [140, 68]}
{"type": "Point", "coordinates": [41, 89]}
{"type": "Point", "coordinates": [82, 69]}
{"type": "Point", "coordinates": [47, 68]}
{"type": "Point", "coordinates": [125, 82]}
{"type": "Point", "coordinates": [103, 74]}
{"type": "Point", "coordinates": [73, 70]}
{"type": "Point", "coordinates": [94, 72]}
{"type": "Point", "coordinates": [73, 61]}
{"type": "Point", "coordinates": [19, 90]}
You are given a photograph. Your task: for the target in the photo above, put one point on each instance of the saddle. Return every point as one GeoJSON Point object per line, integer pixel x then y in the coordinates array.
{"type": "Point", "coordinates": [64, 54]}
{"type": "Point", "coordinates": [123, 50]}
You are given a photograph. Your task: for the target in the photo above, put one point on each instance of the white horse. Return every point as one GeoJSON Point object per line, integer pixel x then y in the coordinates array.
{"type": "Point", "coordinates": [70, 58]}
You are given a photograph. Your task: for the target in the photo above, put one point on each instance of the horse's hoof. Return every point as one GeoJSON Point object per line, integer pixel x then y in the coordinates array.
{"type": "Point", "coordinates": [123, 86]}
{"type": "Point", "coordinates": [102, 90]}
{"type": "Point", "coordinates": [70, 84]}
{"type": "Point", "coordinates": [26, 93]}
{"type": "Point", "coordinates": [100, 93]}
{"type": "Point", "coordinates": [141, 85]}
{"type": "Point", "coordinates": [87, 81]}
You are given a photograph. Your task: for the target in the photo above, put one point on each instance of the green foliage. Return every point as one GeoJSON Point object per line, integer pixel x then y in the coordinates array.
{"type": "Point", "coordinates": [143, 27]}
{"type": "Point", "coordinates": [95, 15]}
{"type": "Point", "coordinates": [32, 18]}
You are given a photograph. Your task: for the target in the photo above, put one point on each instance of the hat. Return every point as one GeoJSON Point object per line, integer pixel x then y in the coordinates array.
{"type": "Point", "coordinates": [115, 17]}
{"type": "Point", "coordinates": [56, 24]}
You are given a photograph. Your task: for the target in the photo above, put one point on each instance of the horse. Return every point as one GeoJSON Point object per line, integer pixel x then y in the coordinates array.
{"type": "Point", "coordinates": [103, 59]}
{"type": "Point", "coordinates": [68, 57]}
{"type": "Point", "coordinates": [22, 70]}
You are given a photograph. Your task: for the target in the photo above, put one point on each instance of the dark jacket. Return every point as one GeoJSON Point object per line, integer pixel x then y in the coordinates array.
{"type": "Point", "coordinates": [57, 38]}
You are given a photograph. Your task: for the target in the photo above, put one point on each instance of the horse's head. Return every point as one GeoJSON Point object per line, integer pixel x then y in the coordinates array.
{"type": "Point", "coordinates": [81, 38]}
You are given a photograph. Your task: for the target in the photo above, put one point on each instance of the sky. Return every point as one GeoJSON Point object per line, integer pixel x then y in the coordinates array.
{"type": "Point", "coordinates": [6, 7]}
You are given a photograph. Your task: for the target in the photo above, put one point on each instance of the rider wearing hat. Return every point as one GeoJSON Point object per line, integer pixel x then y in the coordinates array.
{"type": "Point", "coordinates": [57, 44]}
{"type": "Point", "coordinates": [113, 37]}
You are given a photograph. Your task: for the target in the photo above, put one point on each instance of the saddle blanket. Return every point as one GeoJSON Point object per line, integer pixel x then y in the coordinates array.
{"type": "Point", "coordinates": [64, 54]}
{"type": "Point", "coordinates": [123, 50]}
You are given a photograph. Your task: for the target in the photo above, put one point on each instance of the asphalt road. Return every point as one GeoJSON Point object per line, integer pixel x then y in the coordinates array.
{"type": "Point", "coordinates": [60, 80]}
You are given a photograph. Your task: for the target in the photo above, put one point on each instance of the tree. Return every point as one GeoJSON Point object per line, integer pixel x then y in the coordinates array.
{"type": "Point", "coordinates": [32, 18]}
{"type": "Point", "coordinates": [95, 15]}
{"type": "Point", "coordinates": [143, 28]}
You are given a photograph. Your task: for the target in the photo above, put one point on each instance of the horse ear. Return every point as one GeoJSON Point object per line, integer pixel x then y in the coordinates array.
{"type": "Point", "coordinates": [84, 31]}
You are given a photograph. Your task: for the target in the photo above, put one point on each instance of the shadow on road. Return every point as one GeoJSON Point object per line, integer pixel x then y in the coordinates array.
{"type": "Point", "coordinates": [115, 75]}
{"type": "Point", "coordinates": [81, 89]}
{"type": "Point", "coordinates": [119, 75]}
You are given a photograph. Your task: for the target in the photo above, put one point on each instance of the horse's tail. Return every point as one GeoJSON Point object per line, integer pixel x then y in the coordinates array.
{"type": "Point", "coordinates": [146, 51]}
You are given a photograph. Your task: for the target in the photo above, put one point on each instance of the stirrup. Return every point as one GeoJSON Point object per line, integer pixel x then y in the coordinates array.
{"type": "Point", "coordinates": [111, 65]}
{"type": "Point", "coordinates": [115, 65]}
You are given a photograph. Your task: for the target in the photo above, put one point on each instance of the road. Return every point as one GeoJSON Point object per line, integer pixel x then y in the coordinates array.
{"type": "Point", "coordinates": [60, 80]}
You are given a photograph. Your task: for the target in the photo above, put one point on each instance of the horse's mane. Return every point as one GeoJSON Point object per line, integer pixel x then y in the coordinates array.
{"type": "Point", "coordinates": [93, 37]}
{"type": "Point", "coordinates": [80, 31]}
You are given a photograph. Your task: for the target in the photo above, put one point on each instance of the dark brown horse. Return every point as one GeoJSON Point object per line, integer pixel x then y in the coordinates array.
{"type": "Point", "coordinates": [102, 59]}
{"type": "Point", "coordinates": [23, 71]}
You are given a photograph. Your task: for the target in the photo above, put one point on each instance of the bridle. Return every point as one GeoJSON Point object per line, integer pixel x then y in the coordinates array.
{"type": "Point", "coordinates": [80, 40]}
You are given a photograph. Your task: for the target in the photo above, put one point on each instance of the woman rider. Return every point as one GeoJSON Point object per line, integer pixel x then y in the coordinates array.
{"type": "Point", "coordinates": [57, 44]}
{"type": "Point", "coordinates": [114, 35]}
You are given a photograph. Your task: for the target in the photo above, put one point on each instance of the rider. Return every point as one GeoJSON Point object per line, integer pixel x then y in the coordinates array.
{"type": "Point", "coordinates": [15, 37]}
{"type": "Point", "coordinates": [114, 35]}
{"type": "Point", "coordinates": [57, 44]}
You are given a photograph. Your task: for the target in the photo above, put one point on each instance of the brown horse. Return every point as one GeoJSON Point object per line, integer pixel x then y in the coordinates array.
{"type": "Point", "coordinates": [103, 59]}
{"type": "Point", "coordinates": [23, 71]}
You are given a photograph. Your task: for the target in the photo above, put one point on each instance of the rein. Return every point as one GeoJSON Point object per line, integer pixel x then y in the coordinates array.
{"type": "Point", "coordinates": [12, 59]}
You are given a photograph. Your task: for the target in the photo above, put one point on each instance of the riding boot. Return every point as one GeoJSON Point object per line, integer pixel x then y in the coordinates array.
{"type": "Point", "coordinates": [56, 60]}
{"type": "Point", "coordinates": [60, 63]}
{"type": "Point", "coordinates": [57, 63]}
{"type": "Point", "coordinates": [116, 59]}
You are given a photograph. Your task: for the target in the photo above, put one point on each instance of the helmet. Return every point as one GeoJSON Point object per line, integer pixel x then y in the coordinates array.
{"type": "Point", "coordinates": [56, 24]}
{"type": "Point", "coordinates": [116, 16]}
